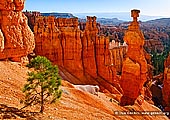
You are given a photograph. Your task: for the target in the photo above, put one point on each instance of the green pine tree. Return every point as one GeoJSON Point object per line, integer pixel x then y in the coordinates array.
{"type": "Point", "coordinates": [43, 83]}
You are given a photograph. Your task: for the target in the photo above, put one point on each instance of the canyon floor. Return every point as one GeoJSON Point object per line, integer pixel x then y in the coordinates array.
{"type": "Point", "coordinates": [73, 105]}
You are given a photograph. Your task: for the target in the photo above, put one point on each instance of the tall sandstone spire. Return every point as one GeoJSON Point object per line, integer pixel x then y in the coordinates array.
{"type": "Point", "coordinates": [134, 69]}
{"type": "Point", "coordinates": [16, 38]}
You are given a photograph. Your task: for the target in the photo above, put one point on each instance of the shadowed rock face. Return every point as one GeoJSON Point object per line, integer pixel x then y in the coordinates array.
{"type": "Point", "coordinates": [16, 38]}
{"type": "Point", "coordinates": [135, 66]}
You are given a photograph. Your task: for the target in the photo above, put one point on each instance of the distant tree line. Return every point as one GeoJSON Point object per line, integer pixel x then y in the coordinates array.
{"type": "Point", "coordinates": [159, 58]}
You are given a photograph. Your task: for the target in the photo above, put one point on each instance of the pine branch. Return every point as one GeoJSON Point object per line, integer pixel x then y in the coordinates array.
{"type": "Point", "coordinates": [33, 100]}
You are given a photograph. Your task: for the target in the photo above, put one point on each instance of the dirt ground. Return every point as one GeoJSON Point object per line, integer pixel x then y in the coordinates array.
{"type": "Point", "coordinates": [73, 105]}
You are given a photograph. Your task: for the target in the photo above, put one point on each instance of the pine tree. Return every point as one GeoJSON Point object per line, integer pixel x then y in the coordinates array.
{"type": "Point", "coordinates": [43, 83]}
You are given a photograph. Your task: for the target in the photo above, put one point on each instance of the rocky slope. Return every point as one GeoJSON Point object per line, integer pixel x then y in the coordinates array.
{"type": "Point", "coordinates": [16, 38]}
{"type": "Point", "coordinates": [74, 104]}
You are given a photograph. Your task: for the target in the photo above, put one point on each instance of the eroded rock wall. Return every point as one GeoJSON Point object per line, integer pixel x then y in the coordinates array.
{"type": "Point", "coordinates": [82, 53]}
{"type": "Point", "coordinates": [16, 38]}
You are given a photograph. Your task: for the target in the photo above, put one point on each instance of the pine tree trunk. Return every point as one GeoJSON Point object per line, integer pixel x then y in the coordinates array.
{"type": "Point", "coordinates": [42, 101]}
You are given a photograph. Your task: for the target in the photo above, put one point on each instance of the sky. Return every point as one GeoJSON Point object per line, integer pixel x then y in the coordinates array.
{"type": "Point", "coordinates": [147, 7]}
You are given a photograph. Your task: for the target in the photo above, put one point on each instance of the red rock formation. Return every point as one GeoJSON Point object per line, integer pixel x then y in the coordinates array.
{"type": "Point", "coordinates": [62, 44]}
{"type": "Point", "coordinates": [118, 53]}
{"type": "Point", "coordinates": [166, 84]}
{"type": "Point", "coordinates": [167, 62]}
{"type": "Point", "coordinates": [89, 48]}
{"type": "Point", "coordinates": [135, 66]}
{"type": "Point", "coordinates": [16, 38]}
{"type": "Point", "coordinates": [82, 56]}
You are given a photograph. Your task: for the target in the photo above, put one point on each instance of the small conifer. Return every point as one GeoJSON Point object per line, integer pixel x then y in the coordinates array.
{"type": "Point", "coordinates": [43, 83]}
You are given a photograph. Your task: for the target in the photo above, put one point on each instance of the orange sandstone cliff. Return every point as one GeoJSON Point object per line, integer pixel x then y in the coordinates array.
{"type": "Point", "coordinates": [83, 56]}
{"type": "Point", "coordinates": [16, 38]}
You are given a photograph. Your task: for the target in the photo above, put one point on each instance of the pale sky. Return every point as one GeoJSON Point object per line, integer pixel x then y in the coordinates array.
{"type": "Point", "coordinates": [147, 7]}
